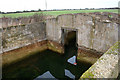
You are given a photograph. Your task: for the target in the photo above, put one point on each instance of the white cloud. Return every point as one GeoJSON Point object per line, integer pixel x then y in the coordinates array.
{"type": "Point", "coordinates": [19, 5]}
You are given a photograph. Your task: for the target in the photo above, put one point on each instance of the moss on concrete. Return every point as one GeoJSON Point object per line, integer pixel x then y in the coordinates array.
{"type": "Point", "coordinates": [91, 72]}
{"type": "Point", "coordinates": [114, 49]}
{"type": "Point", "coordinates": [88, 73]}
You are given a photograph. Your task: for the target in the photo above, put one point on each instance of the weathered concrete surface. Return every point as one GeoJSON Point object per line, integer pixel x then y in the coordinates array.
{"type": "Point", "coordinates": [1, 23]}
{"type": "Point", "coordinates": [53, 31]}
{"type": "Point", "coordinates": [1, 36]}
{"type": "Point", "coordinates": [97, 32]}
{"type": "Point", "coordinates": [54, 46]}
{"type": "Point", "coordinates": [0, 49]}
{"type": "Point", "coordinates": [87, 55]}
{"type": "Point", "coordinates": [19, 36]}
{"type": "Point", "coordinates": [26, 51]}
{"type": "Point", "coordinates": [106, 66]}
{"type": "Point", "coordinates": [8, 21]}
{"type": "Point", "coordinates": [0, 52]}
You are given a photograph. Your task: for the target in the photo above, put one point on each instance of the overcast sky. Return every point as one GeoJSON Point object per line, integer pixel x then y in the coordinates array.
{"type": "Point", "coordinates": [20, 5]}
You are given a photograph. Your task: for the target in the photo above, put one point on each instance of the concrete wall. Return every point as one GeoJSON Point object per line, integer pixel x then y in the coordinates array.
{"type": "Point", "coordinates": [106, 66]}
{"type": "Point", "coordinates": [0, 51]}
{"type": "Point", "coordinates": [1, 23]}
{"type": "Point", "coordinates": [8, 21]}
{"type": "Point", "coordinates": [53, 31]}
{"type": "Point", "coordinates": [19, 36]}
{"type": "Point", "coordinates": [1, 36]}
{"type": "Point", "coordinates": [0, 40]}
{"type": "Point", "coordinates": [95, 31]}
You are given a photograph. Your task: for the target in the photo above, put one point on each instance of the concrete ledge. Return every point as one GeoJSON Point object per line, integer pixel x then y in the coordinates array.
{"type": "Point", "coordinates": [106, 66]}
{"type": "Point", "coordinates": [15, 55]}
{"type": "Point", "coordinates": [88, 55]}
{"type": "Point", "coordinates": [54, 46]}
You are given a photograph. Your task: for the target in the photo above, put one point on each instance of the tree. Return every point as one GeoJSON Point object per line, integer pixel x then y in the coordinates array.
{"type": "Point", "coordinates": [39, 9]}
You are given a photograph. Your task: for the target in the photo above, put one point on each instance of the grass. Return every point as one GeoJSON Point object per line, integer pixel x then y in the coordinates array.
{"type": "Point", "coordinates": [0, 15]}
{"type": "Point", "coordinates": [56, 13]}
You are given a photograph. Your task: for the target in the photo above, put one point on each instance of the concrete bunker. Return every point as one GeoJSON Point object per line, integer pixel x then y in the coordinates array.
{"type": "Point", "coordinates": [89, 37]}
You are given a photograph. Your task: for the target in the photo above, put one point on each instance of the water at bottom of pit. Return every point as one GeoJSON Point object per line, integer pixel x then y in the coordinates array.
{"type": "Point", "coordinates": [42, 62]}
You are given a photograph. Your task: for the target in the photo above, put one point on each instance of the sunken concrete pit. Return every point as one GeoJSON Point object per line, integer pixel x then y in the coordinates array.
{"type": "Point", "coordinates": [96, 34]}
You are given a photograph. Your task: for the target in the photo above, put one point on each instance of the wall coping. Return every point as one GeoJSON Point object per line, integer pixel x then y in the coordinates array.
{"type": "Point", "coordinates": [106, 66]}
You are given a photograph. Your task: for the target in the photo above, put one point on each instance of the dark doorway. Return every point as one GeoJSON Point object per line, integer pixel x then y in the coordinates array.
{"type": "Point", "coordinates": [70, 38]}
{"type": "Point", "coordinates": [70, 46]}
